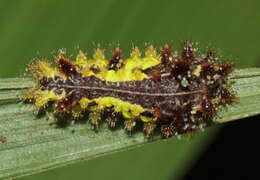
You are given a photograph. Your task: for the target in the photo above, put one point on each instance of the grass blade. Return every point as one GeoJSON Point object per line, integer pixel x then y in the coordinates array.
{"type": "Point", "coordinates": [33, 144]}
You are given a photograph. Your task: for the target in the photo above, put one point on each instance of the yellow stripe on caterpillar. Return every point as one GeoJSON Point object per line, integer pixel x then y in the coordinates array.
{"type": "Point", "coordinates": [131, 71]}
{"type": "Point", "coordinates": [43, 97]}
{"type": "Point", "coordinates": [127, 109]}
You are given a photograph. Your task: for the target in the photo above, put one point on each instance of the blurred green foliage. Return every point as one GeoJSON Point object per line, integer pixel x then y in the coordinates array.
{"type": "Point", "coordinates": [37, 29]}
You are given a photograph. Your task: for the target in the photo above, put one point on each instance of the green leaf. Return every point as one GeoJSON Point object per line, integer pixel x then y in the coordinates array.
{"type": "Point", "coordinates": [35, 144]}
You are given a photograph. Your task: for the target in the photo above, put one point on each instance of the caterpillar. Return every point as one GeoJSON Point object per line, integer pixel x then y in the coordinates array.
{"type": "Point", "coordinates": [171, 92]}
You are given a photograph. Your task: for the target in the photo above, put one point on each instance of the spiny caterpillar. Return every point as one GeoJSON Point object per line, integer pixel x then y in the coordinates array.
{"type": "Point", "coordinates": [173, 93]}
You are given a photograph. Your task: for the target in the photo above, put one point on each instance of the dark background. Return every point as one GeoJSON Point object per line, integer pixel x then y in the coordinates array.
{"type": "Point", "coordinates": [37, 29]}
{"type": "Point", "coordinates": [233, 154]}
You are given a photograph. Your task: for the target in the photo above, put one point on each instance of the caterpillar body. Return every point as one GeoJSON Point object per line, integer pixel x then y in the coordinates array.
{"type": "Point", "coordinates": [173, 93]}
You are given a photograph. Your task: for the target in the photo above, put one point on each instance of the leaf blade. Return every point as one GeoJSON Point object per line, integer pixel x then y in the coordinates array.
{"type": "Point", "coordinates": [33, 145]}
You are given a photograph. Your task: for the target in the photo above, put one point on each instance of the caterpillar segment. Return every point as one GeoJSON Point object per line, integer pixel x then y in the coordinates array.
{"type": "Point", "coordinates": [171, 92]}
